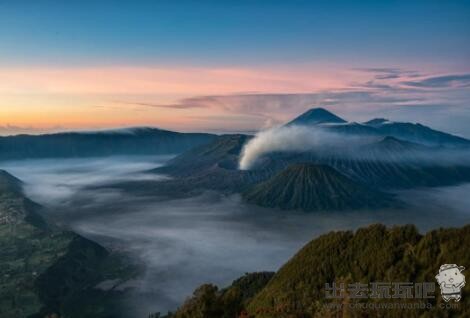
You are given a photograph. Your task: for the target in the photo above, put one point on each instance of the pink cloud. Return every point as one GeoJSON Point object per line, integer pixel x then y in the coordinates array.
{"type": "Point", "coordinates": [154, 80]}
{"type": "Point", "coordinates": [190, 98]}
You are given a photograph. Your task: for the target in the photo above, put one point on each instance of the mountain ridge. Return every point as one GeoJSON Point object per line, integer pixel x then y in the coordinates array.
{"type": "Point", "coordinates": [380, 161]}
{"type": "Point", "coordinates": [132, 141]}
{"type": "Point", "coordinates": [413, 132]}
{"type": "Point", "coordinates": [314, 187]}
{"type": "Point", "coordinates": [375, 253]}
{"type": "Point", "coordinates": [46, 270]}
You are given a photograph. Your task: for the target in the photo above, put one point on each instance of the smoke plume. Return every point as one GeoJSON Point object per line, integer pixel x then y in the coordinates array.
{"type": "Point", "coordinates": [323, 142]}
{"type": "Point", "coordinates": [290, 139]}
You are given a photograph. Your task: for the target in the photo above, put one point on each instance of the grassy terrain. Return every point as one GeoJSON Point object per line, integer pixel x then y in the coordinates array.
{"type": "Point", "coordinates": [46, 270]}
{"type": "Point", "coordinates": [372, 254]}
{"type": "Point", "coordinates": [209, 301]}
{"type": "Point", "coordinates": [23, 258]}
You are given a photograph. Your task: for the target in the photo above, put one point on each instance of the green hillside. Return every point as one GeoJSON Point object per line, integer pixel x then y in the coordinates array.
{"type": "Point", "coordinates": [210, 302]}
{"type": "Point", "coordinates": [371, 254]}
{"type": "Point", "coordinates": [46, 270]}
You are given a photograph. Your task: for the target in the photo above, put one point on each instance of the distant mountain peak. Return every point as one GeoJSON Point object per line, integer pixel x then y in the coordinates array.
{"type": "Point", "coordinates": [392, 143]}
{"type": "Point", "coordinates": [316, 116]}
{"type": "Point", "coordinates": [121, 131]}
{"type": "Point", "coordinates": [377, 121]}
{"type": "Point", "coordinates": [390, 139]}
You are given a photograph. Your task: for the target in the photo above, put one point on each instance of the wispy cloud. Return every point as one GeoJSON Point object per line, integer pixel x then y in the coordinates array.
{"type": "Point", "coordinates": [445, 81]}
{"type": "Point", "coordinates": [401, 94]}
{"type": "Point", "coordinates": [391, 70]}
{"type": "Point", "coordinates": [258, 104]}
{"type": "Point", "coordinates": [192, 99]}
{"type": "Point", "coordinates": [188, 103]}
{"type": "Point", "coordinates": [8, 129]}
{"type": "Point", "coordinates": [384, 73]}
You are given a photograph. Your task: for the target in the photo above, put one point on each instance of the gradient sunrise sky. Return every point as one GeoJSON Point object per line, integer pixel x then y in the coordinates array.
{"type": "Point", "coordinates": [225, 66]}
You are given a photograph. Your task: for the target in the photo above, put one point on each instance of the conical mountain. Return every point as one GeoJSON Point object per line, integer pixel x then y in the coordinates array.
{"type": "Point", "coordinates": [316, 116]}
{"type": "Point", "coordinates": [312, 187]}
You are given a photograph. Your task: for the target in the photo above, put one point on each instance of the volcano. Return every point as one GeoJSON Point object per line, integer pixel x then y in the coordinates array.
{"type": "Point", "coordinates": [316, 116]}
{"type": "Point", "coordinates": [314, 187]}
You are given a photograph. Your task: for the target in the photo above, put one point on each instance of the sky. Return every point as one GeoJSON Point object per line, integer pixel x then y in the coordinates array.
{"type": "Point", "coordinates": [231, 66]}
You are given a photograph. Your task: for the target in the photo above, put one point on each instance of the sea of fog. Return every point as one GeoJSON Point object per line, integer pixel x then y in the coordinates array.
{"type": "Point", "coordinates": [210, 238]}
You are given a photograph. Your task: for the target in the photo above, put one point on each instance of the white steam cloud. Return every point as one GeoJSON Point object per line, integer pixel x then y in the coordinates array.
{"type": "Point", "coordinates": [287, 139]}
{"type": "Point", "coordinates": [324, 143]}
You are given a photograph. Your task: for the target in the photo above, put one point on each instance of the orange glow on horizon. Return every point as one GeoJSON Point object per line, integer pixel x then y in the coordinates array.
{"type": "Point", "coordinates": [80, 98]}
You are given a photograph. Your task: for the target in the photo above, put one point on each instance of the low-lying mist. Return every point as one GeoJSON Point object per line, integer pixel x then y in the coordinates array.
{"type": "Point", "coordinates": [55, 181]}
{"type": "Point", "coordinates": [208, 238]}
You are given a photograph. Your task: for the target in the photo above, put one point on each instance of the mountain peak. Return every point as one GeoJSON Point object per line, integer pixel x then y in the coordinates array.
{"type": "Point", "coordinates": [389, 143]}
{"type": "Point", "coordinates": [137, 130]}
{"type": "Point", "coordinates": [376, 122]}
{"type": "Point", "coordinates": [313, 187]}
{"type": "Point", "coordinates": [316, 116]}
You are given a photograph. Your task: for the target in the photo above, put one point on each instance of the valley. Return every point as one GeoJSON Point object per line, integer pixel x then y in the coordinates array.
{"type": "Point", "coordinates": [234, 159]}
{"type": "Point", "coordinates": [211, 237]}
{"type": "Point", "coordinates": [178, 221]}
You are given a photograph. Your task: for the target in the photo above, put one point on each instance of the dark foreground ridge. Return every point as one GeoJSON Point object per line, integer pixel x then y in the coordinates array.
{"type": "Point", "coordinates": [46, 270]}
{"type": "Point", "coordinates": [371, 254]}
